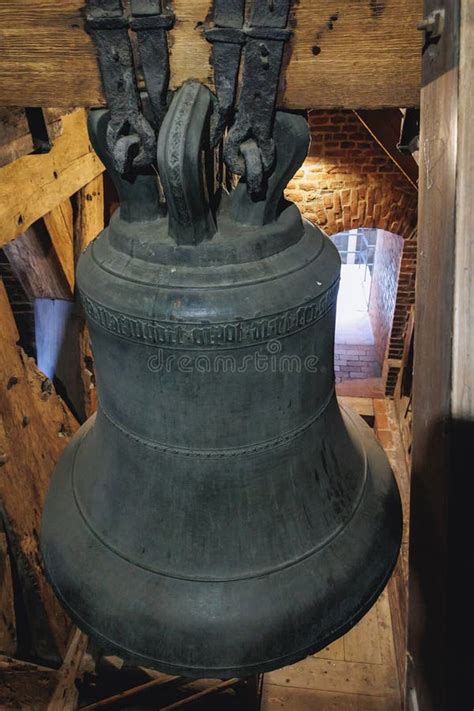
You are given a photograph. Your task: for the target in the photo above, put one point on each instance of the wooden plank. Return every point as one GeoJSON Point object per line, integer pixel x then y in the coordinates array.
{"type": "Point", "coordinates": [362, 642]}
{"type": "Point", "coordinates": [89, 221]}
{"type": "Point", "coordinates": [356, 674]}
{"type": "Point", "coordinates": [65, 696]}
{"type": "Point", "coordinates": [458, 477]}
{"type": "Point", "coordinates": [25, 686]}
{"type": "Point", "coordinates": [279, 698]}
{"type": "Point", "coordinates": [36, 428]}
{"type": "Point", "coordinates": [7, 606]}
{"type": "Point", "coordinates": [463, 340]}
{"type": "Point", "coordinates": [337, 676]}
{"type": "Point", "coordinates": [35, 184]}
{"type": "Point", "coordinates": [342, 53]}
{"type": "Point", "coordinates": [397, 588]}
{"type": "Point", "coordinates": [429, 653]}
{"type": "Point", "coordinates": [37, 266]}
{"type": "Point", "coordinates": [60, 225]}
{"type": "Point", "coordinates": [334, 651]}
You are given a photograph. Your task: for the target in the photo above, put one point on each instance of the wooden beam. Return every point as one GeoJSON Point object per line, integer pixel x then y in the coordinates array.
{"type": "Point", "coordinates": [15, 136]}
{"type": "Point", "coordinates": [66, 695]}
{"type": "Point", "coordinates": [34, 185]}
{"type": "Point", "coordinates": [36, 265]}
{"type": "Point", "coordinates": [60, 225]}
{"type": "Point", "coordinates": [36, 428]}
{"type": "Point", "coordinates": [28, 686]}
{"type": "Point", "coordinates": [7, 606]}
{"type": "Point", "coordinates": [343, 53]}
{"type": "Point", "coordinates": [24, 685]}
{"type": "Point", "coordinates": [441, 654]}
{"type": "Point", "coordinates": [89, 221]}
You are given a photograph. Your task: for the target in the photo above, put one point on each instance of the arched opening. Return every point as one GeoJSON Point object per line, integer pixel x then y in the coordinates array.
{"type": "Point", "coordinates": [371, 260]}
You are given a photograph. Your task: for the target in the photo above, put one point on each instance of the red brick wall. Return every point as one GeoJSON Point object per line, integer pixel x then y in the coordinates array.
{"type": "Point", "coordinates": [405, 297]}
{"type": "Point", "coordinates": [348, 181]}
{"type": "Point", "coordinates": [383, 293]}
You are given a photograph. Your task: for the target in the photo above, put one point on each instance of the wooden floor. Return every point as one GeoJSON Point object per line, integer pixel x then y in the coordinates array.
{"type": "Point", "coordinates": [357, 672]}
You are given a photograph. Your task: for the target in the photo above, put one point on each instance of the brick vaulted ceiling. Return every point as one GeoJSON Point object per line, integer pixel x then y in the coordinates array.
{"type": "Point", "coordinates": [349, 181]}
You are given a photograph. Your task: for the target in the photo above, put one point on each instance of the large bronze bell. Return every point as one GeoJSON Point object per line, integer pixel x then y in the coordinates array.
{"type": "Point", "coordinates": [221, 515]}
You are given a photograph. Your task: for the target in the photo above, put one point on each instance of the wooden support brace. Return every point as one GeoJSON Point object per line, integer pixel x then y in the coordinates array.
{"type": "Point", "coordinates": [34, 185]}
{"type": "Point", "coordinates": [36, 426]}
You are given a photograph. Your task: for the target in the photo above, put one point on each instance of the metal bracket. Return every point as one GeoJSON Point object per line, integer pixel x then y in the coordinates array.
{"type": "Point", "coordinates": [227, 39]}
{"type": "Point", "coordinates": [410, 132]}
{"type": "Point", "coordinates": [131, 139]}
{"type": "Point", "coordinates": [38, 129]}
{"type": "Point", "coordinates": [249, 150]}
{"type": "Point", "coordinates": [433, 25]}
{"type": "Point", "coordinates": [151, 25]}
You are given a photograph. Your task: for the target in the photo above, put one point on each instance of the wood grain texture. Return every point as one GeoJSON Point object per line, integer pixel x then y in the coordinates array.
{"type": "Point", "coordinates": [15, 136]}
{"type": "Point", "coordinates": [89, 221]}
{"type": "Point", "coordinates": [463, 341]}
{"type": "Point", "coordinates": [65, 696]}
{"type": "Point", "coordinates": [431, 473]}
{"type": "Point", "coordinates": [60, 225]}
{"type": "Point", "coordinates": [278, 698]}
{"type": "Point", "coordinates": [343, 53]}
{"type": "Point", "coordinates": [36, 265]}
{"type": "Point", "coordinates": [35, 184]}
{"type": "Point", "coordinates": [7, 604]}
{"type": "Point", "coordinates": [36, 428]}
{"type": "Point", "coordinates": [26, 686]}
{"type": "Point", "coordinates": [367, 668]}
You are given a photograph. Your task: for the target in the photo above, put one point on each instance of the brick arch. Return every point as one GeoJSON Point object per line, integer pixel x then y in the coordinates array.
{"type": "Point", "coordinates": [347, 182]}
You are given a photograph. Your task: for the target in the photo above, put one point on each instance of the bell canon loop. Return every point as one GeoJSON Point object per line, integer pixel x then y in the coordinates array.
{"type": "Point", "coordinates": [221, 514]}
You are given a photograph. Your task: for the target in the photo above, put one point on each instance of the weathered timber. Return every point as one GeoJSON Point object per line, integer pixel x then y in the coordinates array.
{"type": "Point", "coordinates": [36, 428]}
{"type": "Point", "coordinates": [16, 139]}
{"type": "Point", "coordinates": [7, 605]}
{"type": "Point", "coordinates": [440, 558]}
{"type": "Point", "coordinates": [60, 225]}
{"type": "Point", "coordinates": [26, 686]}
{"type": "Point", "coordinates": [34, 185]}
{"type": "Point", "coordinates": [65, 695]}
{"type": "Point", "coordinates": [37, 266]}
{"type": "Point", "coordinates": [89, 214]}
{"type": "Point", "coordinates": [15, 136]}
{"type": "Point", "coordinates": [343, 53]}
{"type": "Point", "coordinates": [32, 687]}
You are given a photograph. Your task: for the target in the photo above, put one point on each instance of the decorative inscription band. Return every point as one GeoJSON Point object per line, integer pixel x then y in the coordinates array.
{"type": "Point", "coordinates": [222, 335]}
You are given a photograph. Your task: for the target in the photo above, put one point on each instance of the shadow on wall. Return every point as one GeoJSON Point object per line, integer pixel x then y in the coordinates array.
{"type": "Point", "coordinates": [383, 294]}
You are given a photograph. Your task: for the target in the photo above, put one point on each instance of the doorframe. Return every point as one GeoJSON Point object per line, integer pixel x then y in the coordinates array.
{"type": "Point", "coordinates": [440, 657]}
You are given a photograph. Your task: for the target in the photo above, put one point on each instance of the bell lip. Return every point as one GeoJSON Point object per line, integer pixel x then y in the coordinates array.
{"type": "Point", "coordinates": [224, 672]}
{"type": "Point", "coordinates": [394, 540]}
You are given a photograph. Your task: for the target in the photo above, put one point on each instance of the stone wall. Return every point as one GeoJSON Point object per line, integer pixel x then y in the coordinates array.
{"type": "Point", "coordinates": [348, 181]}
